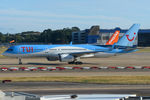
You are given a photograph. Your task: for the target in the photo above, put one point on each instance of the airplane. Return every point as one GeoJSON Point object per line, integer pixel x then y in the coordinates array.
{"type": "Point", "coordinates": [72, 53]}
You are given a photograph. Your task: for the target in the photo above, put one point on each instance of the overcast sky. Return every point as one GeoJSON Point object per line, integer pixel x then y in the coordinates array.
{"type": "Point", "coordinates": [37, 15]}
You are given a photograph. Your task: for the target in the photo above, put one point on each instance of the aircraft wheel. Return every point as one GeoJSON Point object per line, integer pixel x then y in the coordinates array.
{"type": "Point", "coordinates": [70, 62]}
{"type": "Point", "coordinates": [78, 63]}
{"type": "Point", "coordinates": [20, 63]}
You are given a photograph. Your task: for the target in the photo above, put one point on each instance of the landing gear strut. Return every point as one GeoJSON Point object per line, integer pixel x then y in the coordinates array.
{"type": "Point", "coordinates": [76, 61]}
{"type": "Point", "coordinates": [20, 62]}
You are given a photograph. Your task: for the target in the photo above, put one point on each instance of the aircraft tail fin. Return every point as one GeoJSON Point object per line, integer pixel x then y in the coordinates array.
{"type": "Point", "coordinates": [71, 43]}
{"type": "Point", "coordinates": [128, 39]}
{"type": "Point", "coordinates": [114, 38]}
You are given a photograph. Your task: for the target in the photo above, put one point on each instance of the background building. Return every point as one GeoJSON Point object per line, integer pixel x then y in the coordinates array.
{"type": "Point", "coordinates": [89, 36]}
{"type": "Point", "coordinates": [95, 35]}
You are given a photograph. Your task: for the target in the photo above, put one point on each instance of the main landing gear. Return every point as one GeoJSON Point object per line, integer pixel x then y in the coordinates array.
{"type": "Point", "coordinates": [20, 62]}
{"type": "Point", "coordinates": [77, 62]}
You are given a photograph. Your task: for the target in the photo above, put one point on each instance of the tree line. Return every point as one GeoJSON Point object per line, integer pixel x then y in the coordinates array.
{"type": "Point", "coordinates": [48, 36]}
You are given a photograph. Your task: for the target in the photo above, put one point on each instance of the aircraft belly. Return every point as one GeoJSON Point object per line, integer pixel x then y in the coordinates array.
{"type": "Point", "coordinates": [87, 55]}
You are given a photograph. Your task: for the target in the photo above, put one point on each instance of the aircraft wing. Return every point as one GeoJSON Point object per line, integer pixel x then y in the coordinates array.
{"type": "Point", "coordinates": [78, 54]}
{"type": "Point", "coordinates": [129, 50]}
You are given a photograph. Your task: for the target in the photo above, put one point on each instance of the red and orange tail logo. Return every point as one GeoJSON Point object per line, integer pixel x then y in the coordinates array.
{"type": "Point", "coordinates": [114, 38]}
{"type": "Point", "coordinates": [12, 41]}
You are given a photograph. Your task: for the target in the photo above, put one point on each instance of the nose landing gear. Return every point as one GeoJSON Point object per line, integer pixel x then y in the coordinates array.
{"type": "Point", "coordinates": [20, 62]}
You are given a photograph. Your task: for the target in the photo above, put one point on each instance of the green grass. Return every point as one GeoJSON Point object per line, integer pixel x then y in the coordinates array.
{"type": "Point", "coordinates": [2, 49]}
{"type": "Point", "coordinates": [94, 79]}
{"type": "Point", "coordinates": [146, 49]}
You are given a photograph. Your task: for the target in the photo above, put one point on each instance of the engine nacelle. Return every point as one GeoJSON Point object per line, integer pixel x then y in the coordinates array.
{"type": "Point", "coordinates": [66, 58]}
{"type": "Point", "coordinates": [52, 58]}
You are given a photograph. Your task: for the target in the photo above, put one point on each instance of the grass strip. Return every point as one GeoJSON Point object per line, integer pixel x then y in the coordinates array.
{"type": "Point", "coordinates": [95, 79]}
{"type": "Point", "coordinates": [142, 50]}
{"type": "Point", "coordinates": [2, 49]}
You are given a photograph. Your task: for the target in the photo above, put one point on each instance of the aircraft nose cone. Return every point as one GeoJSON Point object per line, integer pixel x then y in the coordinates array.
{"type": "Point", "coordinates": [7, 54]}
{"type": "Point", "coordinates": [3, 53]}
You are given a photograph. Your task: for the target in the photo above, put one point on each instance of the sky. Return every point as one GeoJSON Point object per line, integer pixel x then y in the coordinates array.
{"type": "Point", "coordinates": [37, 15]}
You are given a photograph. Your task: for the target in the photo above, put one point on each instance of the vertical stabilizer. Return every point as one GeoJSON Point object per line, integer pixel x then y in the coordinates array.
{"type": "Point", "coordinates": [128, 38]}
{"type": "Point", "coordinates": [114, 38]}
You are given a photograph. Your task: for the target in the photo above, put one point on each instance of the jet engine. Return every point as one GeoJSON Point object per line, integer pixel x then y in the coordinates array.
{"type": "Point", "coordinates": [52, 58]}
{"type": "Point", "coordinates": [66, 58]}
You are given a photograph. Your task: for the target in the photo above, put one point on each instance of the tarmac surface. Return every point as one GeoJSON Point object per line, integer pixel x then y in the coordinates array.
{"type": "Point", "coordinates": [48, 88]}
{"type": "Point", "coordinates": [53, 88]}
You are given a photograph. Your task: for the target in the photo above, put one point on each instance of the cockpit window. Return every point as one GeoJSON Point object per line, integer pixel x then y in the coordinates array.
{"type": "Point", "coordinates": [9, 49]}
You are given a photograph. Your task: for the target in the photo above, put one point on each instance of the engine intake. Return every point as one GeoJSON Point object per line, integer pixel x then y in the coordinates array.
{"type": "Point", "coordinates": [66, 58]}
